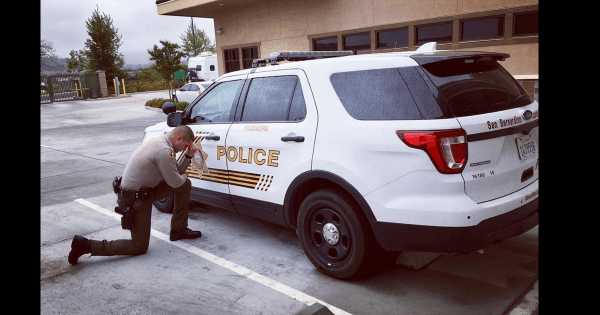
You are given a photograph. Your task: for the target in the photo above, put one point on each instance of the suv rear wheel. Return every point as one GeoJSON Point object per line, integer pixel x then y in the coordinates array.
{"type": "Point", "coordinates": [164, 205]}
{"type": "Point", "coordinates": [333, 234]}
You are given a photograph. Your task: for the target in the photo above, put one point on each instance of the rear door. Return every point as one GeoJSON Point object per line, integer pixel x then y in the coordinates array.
{"type": "Point", "coordinates": [500, 119]}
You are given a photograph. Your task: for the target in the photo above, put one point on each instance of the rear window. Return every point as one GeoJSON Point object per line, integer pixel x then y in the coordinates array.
{"type": "Point", "coordinates": [472, 87]}
{"type": "Point", "coordinates": [379, 94]}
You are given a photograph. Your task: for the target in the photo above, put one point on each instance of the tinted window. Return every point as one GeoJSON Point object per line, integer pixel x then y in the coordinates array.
{"type": "Point", "coordinates": [249, 54]}
{"type": "Point", "coordinates": [298, 107]}
{"type": "Point", "coordinates": [475, 87]}
{"type": "Point", "coordinates": [440, 33]}
{"type": "Point", "coordinates": [357, 41]}
{"type": "Point", "coordinates": [232, 60]}
{"type": "Point", "coordinates": [525, 24]}
{"type": "Point", "coordinates": [491, 27]}
{"type": "Point", "coordinates": [325, 44]}
{"type": "Point", "coordinates": [193, 87]}
{"type": "Point", "coordinates": [269, 99]}
{"type": "Point", "coordinates": [375, 95]}
{"type": "Point", "coordinates": [186, 87]}
{"type": "Point", "coordinates": [392, 38]}
{"type": "Point", "coordinates": [215, 106]}
{"type": "Point", "coordinates": [424, 95]}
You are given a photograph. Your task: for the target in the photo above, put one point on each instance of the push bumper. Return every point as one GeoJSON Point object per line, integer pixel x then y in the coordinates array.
{"type": "Point", "coordinates": [407, 237]}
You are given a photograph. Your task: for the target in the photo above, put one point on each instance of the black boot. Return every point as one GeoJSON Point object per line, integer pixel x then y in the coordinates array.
{"type": "Point", "coordinates": [184, 233]}
{"type": "Point", "coordinates": [79, 246]}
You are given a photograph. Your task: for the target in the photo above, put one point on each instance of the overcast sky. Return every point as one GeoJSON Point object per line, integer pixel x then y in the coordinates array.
{"type": "Point", "coordinates": [62, 22]}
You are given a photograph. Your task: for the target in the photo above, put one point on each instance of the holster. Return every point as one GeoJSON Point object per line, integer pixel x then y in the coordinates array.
{"type": "Point", "coordinates": [127, 212]}
{"type": "Point", "coordinates": [128, 197]}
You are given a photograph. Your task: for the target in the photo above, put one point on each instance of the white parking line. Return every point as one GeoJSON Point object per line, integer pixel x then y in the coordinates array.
{"type": "Point", "coordinates": [291, 292]}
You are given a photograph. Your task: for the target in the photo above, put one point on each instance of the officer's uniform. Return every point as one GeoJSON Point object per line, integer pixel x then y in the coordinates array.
{"type": "Point", "coordinates": [153, 164]}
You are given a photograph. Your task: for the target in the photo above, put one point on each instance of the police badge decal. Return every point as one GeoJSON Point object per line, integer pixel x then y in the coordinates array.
{"type": "Point", "coordinates": [199, 160]}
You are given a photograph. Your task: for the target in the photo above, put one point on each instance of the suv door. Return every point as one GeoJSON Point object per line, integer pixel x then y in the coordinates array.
{"type": "Point", "coordinates": [270, 142]}
{"type": "Point", "coordinates": [210, 118]}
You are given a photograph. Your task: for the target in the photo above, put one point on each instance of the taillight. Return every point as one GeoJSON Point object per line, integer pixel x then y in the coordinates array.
{"type": "Point", "coordinates": [446, 148]}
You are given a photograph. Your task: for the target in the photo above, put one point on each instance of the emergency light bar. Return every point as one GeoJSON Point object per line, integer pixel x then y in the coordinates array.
{"type": "Point", "coordinates": [274, 57]}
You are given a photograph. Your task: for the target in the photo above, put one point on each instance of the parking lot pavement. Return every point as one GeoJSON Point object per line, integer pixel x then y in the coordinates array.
{"type": "Point", "coordinates": [85, 143]}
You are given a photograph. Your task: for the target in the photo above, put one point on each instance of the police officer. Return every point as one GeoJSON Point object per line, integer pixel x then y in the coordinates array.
{"type": "Point", "coordinates": [152, 173]}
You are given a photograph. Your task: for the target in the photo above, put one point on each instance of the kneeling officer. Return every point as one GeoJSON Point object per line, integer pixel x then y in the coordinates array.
{"type": "Point", "coordinates": [152, 173]}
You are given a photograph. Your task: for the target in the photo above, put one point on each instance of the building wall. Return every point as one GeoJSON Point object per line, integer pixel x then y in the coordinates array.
{"type": "Point", "coordinates": [291, 25]}
{"type": "Point", "coordinates": [288, 25]}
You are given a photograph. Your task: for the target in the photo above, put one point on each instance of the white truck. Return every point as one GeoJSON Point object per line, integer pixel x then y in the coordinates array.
{"type": "Point", "coordinates": [203, 67]}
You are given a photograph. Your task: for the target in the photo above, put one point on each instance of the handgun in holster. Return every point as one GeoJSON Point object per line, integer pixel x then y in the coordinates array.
{"type": "Point", "coordinates": [127, 212]}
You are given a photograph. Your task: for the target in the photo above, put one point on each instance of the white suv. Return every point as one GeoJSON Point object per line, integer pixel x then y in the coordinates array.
{"type": "Point", "coordinates": [427, 150]}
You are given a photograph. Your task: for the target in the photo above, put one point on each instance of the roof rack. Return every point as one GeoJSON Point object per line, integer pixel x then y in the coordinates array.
{"type": "Point", "coordinates": [274, 57]}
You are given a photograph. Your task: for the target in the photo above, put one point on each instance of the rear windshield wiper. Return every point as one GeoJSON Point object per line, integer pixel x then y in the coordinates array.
{"type": "Point", "coordinates": [522, 97]}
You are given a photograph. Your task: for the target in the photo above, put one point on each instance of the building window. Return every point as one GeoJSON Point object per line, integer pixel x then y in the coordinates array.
{"type": "Point", "coordinates": [357, 41]}
{"type": "Point", "coordinates": [249, 54]}
{"type": "Point", "coordinates": [483, 28]}
{"type": "Point", "coordinates": [392, 38]}
{"type": "Point", "coordinates": [325, 44]}
{"type": "Point", "coordinates": [232, 60]}
{"type": "Point", "coordinates": [525, 24]}
{"type": "Point", "coordinates": [440, 33]}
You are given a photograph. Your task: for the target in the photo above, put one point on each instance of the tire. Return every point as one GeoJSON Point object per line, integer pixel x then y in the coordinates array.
{"type": "Point", "coordinates": [164, 205]}
{"type": "Point", "coordinates": [322, 216]}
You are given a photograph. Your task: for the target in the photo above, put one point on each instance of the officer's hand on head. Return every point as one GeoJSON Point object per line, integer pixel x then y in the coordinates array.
{"type": "Point", "coordinates": [192, 149]}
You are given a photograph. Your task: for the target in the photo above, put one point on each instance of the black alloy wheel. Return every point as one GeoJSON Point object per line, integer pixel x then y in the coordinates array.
{"type": "Point", "coordinates": [334, 233]}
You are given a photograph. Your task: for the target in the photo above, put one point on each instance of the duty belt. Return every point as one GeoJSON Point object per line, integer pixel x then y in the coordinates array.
{"type": "Point", "coordinates": [141, 193]}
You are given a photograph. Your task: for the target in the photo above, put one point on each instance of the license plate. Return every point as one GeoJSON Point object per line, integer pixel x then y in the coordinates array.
{"type": "Point", "coordinates": [526, 147]}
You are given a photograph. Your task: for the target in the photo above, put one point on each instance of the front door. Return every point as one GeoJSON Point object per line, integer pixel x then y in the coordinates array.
{"type": "Point", "coordinates": [212, 116]}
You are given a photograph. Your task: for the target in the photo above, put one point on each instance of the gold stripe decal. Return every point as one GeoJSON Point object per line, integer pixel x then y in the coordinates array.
{"type": "Point", "coordinates": [247, 180]}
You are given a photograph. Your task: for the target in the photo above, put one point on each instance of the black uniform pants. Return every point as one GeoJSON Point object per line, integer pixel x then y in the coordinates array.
{"type": "Point", "coordinates": [142, 213]}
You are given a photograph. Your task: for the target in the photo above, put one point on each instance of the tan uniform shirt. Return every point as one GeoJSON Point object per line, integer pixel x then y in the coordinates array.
{"type": "Point", "coordinates": [153, 162]}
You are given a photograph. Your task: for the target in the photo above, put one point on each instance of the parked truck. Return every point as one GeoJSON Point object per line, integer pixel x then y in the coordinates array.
{"type": "Point", "coordinates": [203, 67]}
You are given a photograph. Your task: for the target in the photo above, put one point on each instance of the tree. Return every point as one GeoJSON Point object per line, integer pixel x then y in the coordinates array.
{"type": "Point", "coordinates": [149, 75]}
{"type": "Point", "coordinates": [77, 62]}
{"type": "Point", "coordinates": [202, 42]}
{"type": "Point", "coordinates": [167, 61]}
{"type": "Point", "coordinates": [101, 50]}
{"type": "Point", "coordinates": [47, 54]}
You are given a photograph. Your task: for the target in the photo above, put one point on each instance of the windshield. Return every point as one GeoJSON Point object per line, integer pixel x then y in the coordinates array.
{"type": "Point", "coordinates": [473, 87]}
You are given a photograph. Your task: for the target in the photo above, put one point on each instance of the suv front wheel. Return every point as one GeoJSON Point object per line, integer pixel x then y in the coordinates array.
{"type": "Point", "coordinates": [334, 235]}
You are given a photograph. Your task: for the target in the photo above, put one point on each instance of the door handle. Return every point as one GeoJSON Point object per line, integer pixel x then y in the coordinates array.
{"type": "Point", "coordinates": [296, 138]}
{"type": "Point", "coordinates": [214, 137]}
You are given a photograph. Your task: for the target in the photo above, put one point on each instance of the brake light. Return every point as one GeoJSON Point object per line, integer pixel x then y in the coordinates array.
{"type": "Point", "coordinates": [447, 149]}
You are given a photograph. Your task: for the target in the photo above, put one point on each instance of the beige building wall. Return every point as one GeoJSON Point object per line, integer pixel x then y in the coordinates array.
{"type": "Point", "coordinates": [289, 25]}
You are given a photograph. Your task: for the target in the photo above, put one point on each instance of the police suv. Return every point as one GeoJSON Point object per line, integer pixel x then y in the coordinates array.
{"type": "Point", "coordinates": [427, 150]}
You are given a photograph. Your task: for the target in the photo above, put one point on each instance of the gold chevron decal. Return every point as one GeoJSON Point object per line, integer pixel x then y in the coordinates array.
{"type": "Point", "coordinates": [248, 180]}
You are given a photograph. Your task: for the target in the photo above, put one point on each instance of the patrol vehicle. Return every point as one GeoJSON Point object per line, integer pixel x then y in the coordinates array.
{"type": "Point", "coordinates": [433, 151]}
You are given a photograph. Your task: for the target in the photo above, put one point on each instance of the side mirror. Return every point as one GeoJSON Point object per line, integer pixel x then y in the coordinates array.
{"type": "Point", "coordinates": [174, 119]}
{"type": "Point", "coordinates": [168, 108]}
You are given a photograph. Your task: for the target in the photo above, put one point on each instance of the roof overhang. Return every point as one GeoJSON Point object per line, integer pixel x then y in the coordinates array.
{"type": "Point", "coordinates": [197, 8]}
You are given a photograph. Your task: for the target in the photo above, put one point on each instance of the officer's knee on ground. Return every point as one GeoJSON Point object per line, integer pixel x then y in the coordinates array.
{"type": "Point", "coordinates": [141, 247]}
